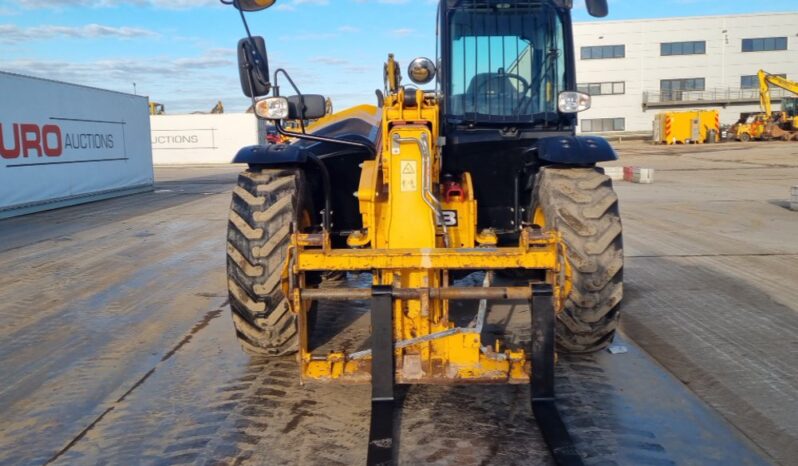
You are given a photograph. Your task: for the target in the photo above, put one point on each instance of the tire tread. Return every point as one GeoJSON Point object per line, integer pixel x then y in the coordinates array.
{"type": "Point", "coordinates": [263, 209]}
{"type": "Point", "coordinates": [581, 204]}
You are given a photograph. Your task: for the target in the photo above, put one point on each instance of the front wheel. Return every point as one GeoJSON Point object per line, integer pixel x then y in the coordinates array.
{"type": "Point", "coordinates": [265, 210]}
{"type": "Point", "coordinates": [581, 204]}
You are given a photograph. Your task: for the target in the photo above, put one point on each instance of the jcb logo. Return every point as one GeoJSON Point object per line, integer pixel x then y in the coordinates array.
{"type": "Point", "coordinates": [28, 139]}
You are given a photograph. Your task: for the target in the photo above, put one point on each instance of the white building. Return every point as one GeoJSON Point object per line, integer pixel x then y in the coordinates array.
{"type": "Point", "coordinates": [636, 69]}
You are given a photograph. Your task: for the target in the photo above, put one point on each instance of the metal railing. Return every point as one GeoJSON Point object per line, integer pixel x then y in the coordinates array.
{"type": "Point", "coordinates": [718, 96]}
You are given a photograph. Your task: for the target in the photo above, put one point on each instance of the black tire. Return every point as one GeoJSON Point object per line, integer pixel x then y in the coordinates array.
{"type": "Point", "coordinates": [264, 212]}
{"type": "Point", "coordinates": [745, 137]}
{"type": "Point", "coordinates": [581, 204]}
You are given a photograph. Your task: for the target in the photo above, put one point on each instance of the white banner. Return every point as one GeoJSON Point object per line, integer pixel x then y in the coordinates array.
{"type": "Point", "coordinates": [182, 139]}
{"type": "Point", "coordinates": [60, 143]}
{"type": "Point", "coordinates": [201, 139]}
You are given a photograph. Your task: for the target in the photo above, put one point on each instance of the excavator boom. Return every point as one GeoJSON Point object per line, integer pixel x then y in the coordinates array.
{"type": "Point", "coordinates": [765, 81]}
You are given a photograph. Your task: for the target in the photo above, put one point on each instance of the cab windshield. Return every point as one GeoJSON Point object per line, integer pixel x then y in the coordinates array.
{"type": "Point", "coordinates": [507, 64]}
{"type": "Point", "coordinates": [789, 105]}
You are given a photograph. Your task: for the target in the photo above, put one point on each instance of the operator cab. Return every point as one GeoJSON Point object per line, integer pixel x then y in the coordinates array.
{"type": "Point", "coordinates": [789, 106]}
{"type": "Point", "coordinates": [507, 63]}
{"type": "Point", "coordinates": [508, 85]}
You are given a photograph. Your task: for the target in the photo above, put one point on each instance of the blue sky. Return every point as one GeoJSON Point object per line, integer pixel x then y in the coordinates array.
{"type": "Point", "coordinates": [182, 52]}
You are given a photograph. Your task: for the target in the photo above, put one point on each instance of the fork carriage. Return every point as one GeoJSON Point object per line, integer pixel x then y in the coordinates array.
{"type": "Point", "coordinates": [425, 344]}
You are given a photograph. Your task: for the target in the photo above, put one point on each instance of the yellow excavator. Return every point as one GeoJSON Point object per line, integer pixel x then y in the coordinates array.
{"type": "Point", "coordinates": [769, 124]}
{"type": "Point", "coordinates": [784, 124]}
{"type": "Point", "coordinates": [474, 168]}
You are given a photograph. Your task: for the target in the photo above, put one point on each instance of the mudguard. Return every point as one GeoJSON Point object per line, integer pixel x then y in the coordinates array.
{"type": "Point", "coordinates": [575, 150]}
{"type": "Point", "coordinates": [274, 155]}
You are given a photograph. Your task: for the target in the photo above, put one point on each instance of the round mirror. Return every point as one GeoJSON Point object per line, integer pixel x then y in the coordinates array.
{"type": "Point", "coordinates": [254, 5]}
{"type": "Point", "coordinates": [421, 70]}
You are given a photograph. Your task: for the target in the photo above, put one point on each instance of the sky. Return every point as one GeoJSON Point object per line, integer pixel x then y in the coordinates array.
{"type": "Point", "coordinates": [182, 52]}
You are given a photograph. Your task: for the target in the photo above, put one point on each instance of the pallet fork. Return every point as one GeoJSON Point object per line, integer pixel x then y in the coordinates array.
{"type": "Point", "coordinates": [552, 427]}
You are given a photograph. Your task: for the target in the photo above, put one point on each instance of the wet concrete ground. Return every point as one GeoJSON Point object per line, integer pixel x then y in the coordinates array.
{"type": "Point", "coordinates": [116, 345]}
{"type": "Point", "coordinates": [712, 275]}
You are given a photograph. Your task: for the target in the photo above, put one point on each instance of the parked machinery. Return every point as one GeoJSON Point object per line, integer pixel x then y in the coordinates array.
{"type": "Point", "coordinates": [218, 108]}
{"type": "Point", "coordinates": [157, 109]}
{"type": "Point", "coordinates": [696, 127]}
{"type": "Point", "coordinates": [784, 124]}
{"type": "Point", "coordinates": [750, 127]}
{"type": "Point", "coordinates": [484, 172]}
{"type": "Point", "coordinates": [771, 124]}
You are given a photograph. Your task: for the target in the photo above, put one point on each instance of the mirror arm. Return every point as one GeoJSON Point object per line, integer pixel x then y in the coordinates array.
{"type": "Point", "coordinates": [298, 93]}
{"type": "Point", "coordinates": [309, 137]}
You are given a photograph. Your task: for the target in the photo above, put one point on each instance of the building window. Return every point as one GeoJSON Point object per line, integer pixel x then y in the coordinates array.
{"type": "Point", "coordinates": [752, 81]}
{"type": "Point", "coordinates": [674, 89]}
{"type": "Point", "coordinates": [603, 125]}
{"type": "Point", "coordinates": [600, 52]}
{"type": "Point", "coordinates": [683, 48]}
{"type": "Point", "coordinates": [690, 84]}
{"type": "Point", "coordinates": [764, 44]}
{"type": "Point", "coordinates": [610, 88]}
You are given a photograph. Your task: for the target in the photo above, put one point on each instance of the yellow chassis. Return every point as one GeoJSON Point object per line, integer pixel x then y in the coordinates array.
{"type": "Point", "coordinates": [410, 247]}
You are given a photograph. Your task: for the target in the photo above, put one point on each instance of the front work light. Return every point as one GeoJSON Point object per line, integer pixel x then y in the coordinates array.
{"type": "Point", "coordinates": [573, 102]}
{"type": "Point", "coordinates": [272, 108]}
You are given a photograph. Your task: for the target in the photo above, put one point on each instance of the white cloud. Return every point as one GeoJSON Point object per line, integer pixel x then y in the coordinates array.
{"type": "Point", "coordinates": [330, 61]}
{"type": "Point", "coordinates": [125, 69]}
{"type": "Point", "coordinates": [402, 32]}
{"type": "Point", "coordinates": [164, 4]}
{"type": "Point", "coordinates": [10, 33]}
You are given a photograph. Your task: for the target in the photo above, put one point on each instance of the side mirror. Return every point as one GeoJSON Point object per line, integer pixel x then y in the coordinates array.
{"type": "Point", "coordinates": [253, 67]}
{"type": "Point", "coordinates": [315, 107]}
{"type": "Point", "coordinates": [597, 8]}
{"type": "Point", "coordinates": [253, 5]}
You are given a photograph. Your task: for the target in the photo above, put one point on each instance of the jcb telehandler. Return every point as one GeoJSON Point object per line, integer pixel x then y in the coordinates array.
{"type": "Point", "coordinates": [481, 172]}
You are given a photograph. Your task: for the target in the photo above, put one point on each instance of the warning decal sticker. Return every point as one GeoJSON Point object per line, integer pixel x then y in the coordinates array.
{"type": "Point", "coordinates": [409, 178]}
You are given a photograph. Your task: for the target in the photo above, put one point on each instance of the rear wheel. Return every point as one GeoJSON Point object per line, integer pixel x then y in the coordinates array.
{"type": "Point", "coordinates": [581, 204]}
{"type": "Point", "coordinates": [745, 137]}
{"type": "Point", "coordinates": [267, 206]}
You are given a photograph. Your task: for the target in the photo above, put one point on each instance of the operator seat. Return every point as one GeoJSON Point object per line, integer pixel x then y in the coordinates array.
{"type": "Point", "coordinates": [490, 92]}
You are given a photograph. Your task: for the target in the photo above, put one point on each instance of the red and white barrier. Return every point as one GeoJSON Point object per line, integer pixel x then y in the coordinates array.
{"type": "Point", "coordinates": [630, 174]}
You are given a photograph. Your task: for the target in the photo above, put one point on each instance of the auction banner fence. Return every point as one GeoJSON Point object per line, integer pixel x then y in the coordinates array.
{"type": "Point", "coordinates": [63, 144]}
{"type": "Point", "coordinates": [198, 139]}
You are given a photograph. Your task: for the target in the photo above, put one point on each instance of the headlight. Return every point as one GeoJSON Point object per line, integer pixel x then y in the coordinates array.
{"type": "Point", "coordinates": [573, 102]}
{"type": "Point", "coordinates": [272, 108]}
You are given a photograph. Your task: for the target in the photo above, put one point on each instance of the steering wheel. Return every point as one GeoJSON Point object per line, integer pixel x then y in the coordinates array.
{"type": "Point", "coordinates": [502, 76]}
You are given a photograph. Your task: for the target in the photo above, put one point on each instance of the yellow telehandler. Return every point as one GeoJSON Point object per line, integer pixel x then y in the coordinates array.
{"type": "Point", "coordinates": [482, 171]}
